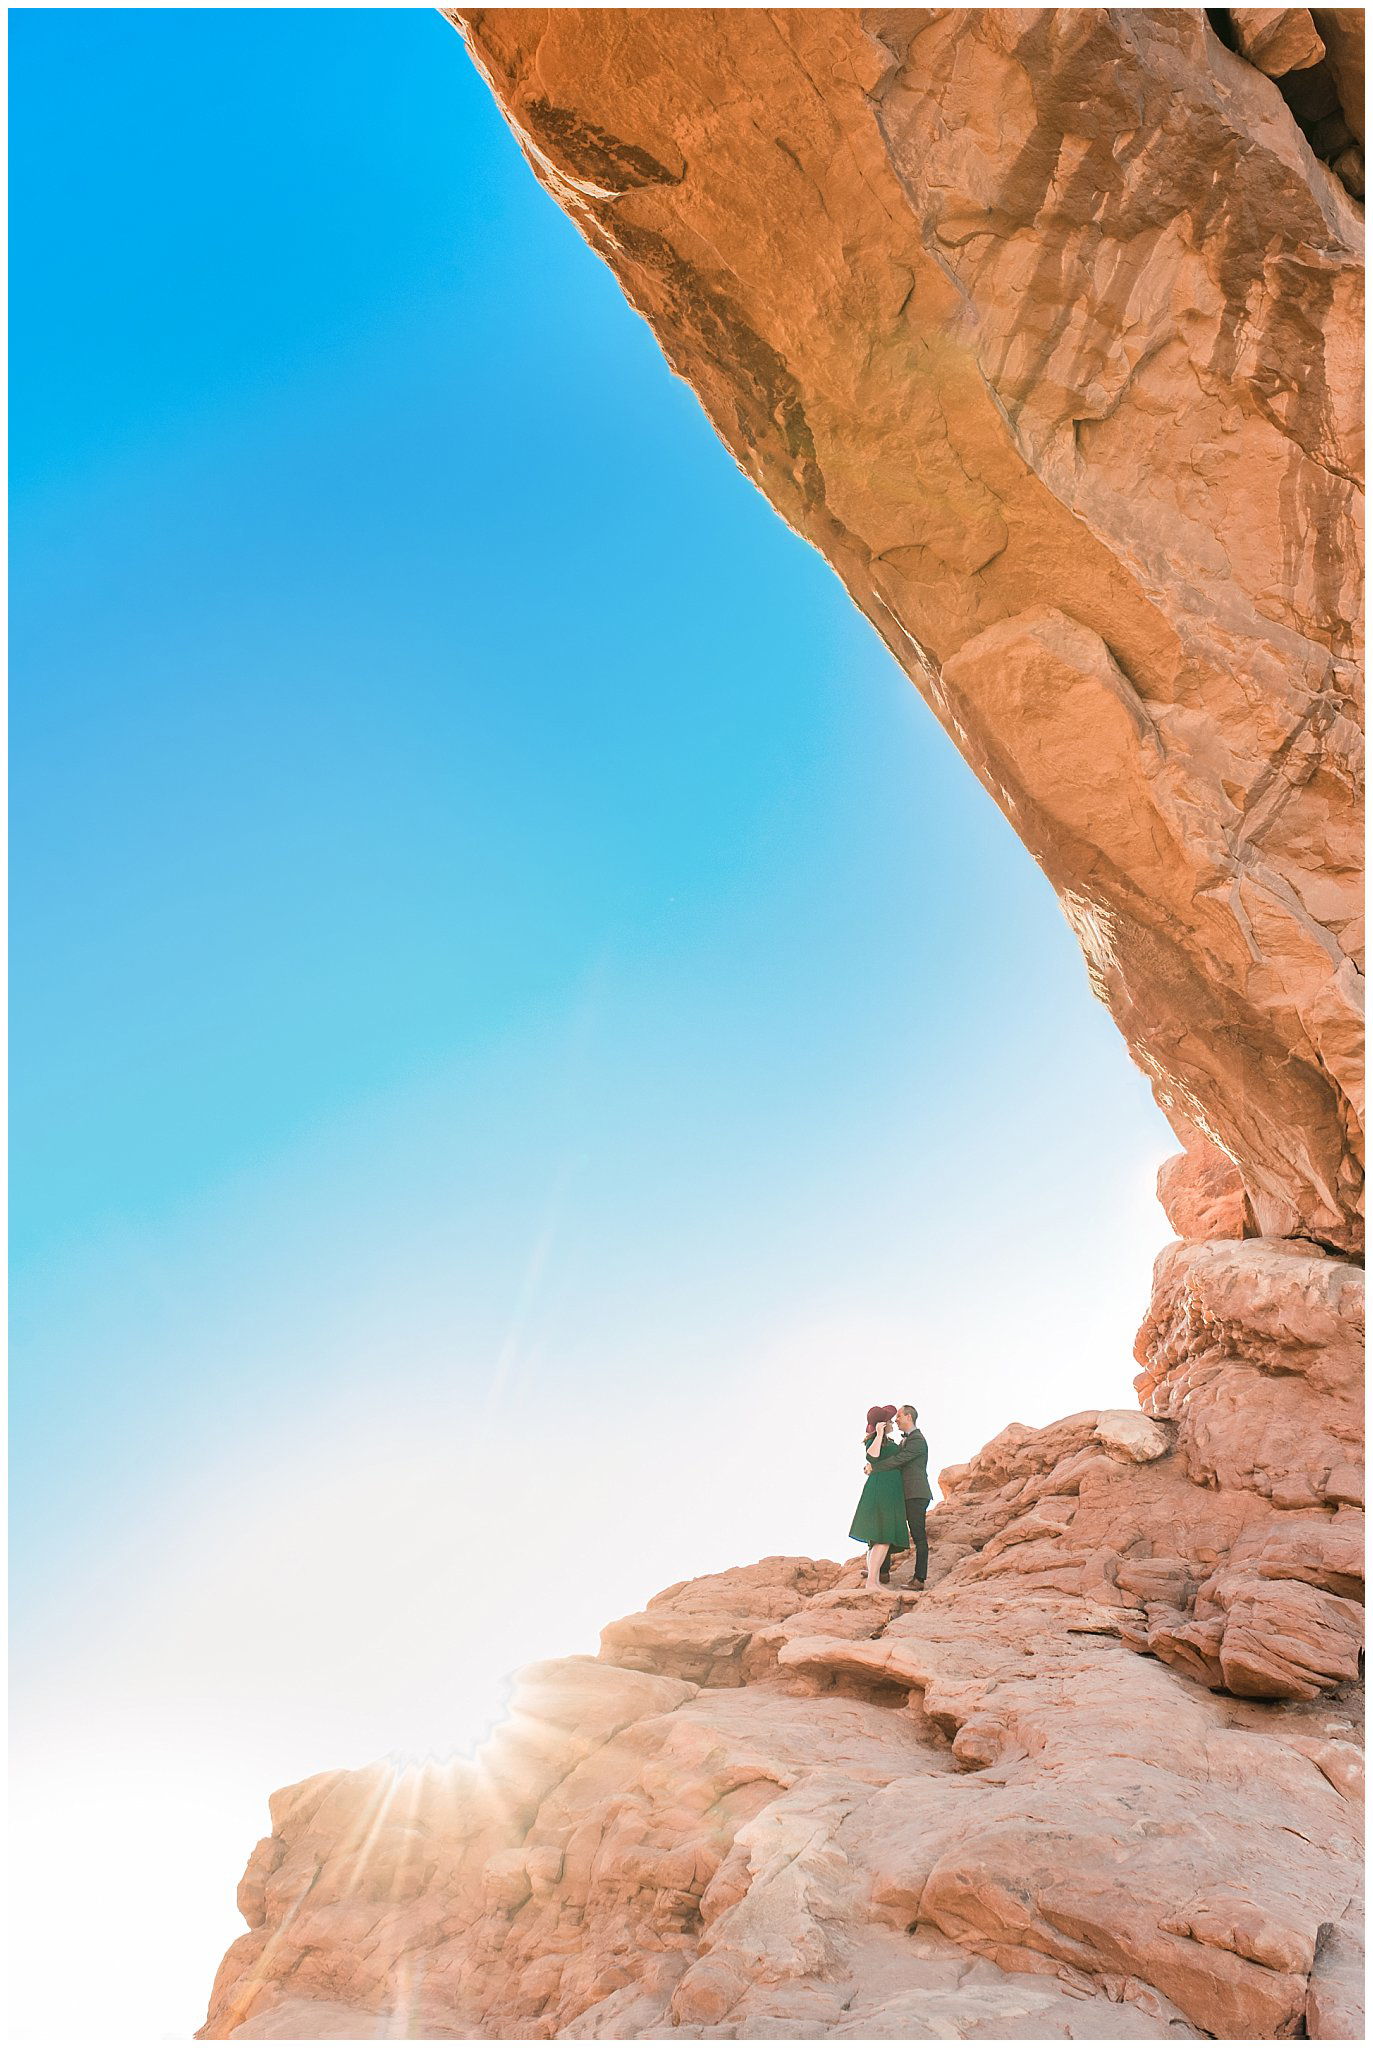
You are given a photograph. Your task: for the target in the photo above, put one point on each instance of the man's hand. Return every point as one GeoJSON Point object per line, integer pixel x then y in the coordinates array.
{"type": "Point", "coordinates": [867, 1468]}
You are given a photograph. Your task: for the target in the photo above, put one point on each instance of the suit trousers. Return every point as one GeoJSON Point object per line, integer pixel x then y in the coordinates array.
{"type": "Point", "coordinates": [915, 1522]}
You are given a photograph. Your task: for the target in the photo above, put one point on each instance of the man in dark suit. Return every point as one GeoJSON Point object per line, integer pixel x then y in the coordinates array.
{"type": "Point", "coordinates": [913, 1458]}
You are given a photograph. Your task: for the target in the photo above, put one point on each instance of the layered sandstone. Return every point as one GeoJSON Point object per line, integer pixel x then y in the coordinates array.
{"type": "Point", "coordinates": [1101, 1780]}
{"type": "Point", "coordinates": [1044, 327]}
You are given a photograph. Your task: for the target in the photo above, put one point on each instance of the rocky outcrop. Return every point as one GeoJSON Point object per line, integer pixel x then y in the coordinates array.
{"type": "Point", "coordinates": [1052, 1796]}
{"type": "Point", "coordinates": [1277, 39]}
{"type": "Point", "coordinates": [1102, 1779]}
{"type": "Point", "coordinates": [1201, 1192]}
{"type": "Point", "coordinates": [1045, 327]}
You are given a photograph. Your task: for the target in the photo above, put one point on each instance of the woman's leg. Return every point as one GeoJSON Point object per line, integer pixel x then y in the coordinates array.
{"type": "Point", "coordinates": [877, 1553]}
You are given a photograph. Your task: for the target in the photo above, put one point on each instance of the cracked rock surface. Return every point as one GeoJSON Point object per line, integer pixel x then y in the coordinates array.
{"type": "Point", "coordinates": [972, 1813]}
{"type": "Point", "coordinates": [1101, 1779]}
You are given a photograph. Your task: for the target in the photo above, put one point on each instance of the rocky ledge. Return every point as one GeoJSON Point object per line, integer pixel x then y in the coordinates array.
{"type": "Point", "coordinates": [1100, 1780]}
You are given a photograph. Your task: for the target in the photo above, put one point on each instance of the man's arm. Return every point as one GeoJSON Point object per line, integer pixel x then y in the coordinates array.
{"type": "Point", "coordinates": [898, 1455]}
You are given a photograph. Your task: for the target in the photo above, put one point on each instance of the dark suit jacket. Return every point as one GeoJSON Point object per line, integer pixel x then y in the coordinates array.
{"type": "Point", "coordinates": [912, 1455]}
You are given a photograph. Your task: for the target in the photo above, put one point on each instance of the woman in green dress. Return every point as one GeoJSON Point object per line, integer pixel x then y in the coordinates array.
{"type": "Point", "coordinates": [880, 1521]}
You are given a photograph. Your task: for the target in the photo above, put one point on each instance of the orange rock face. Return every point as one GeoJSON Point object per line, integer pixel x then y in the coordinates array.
{"type": "Point", "coordinates": [977, 1812]}
{"type": "Point", "coordinates": [1044, 326]}
{"type": "Point", "coordinates": [1102, 1779]}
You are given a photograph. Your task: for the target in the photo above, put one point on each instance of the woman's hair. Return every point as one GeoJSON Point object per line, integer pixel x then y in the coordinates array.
{"type": "Point", "coordinates": [876, 1415]}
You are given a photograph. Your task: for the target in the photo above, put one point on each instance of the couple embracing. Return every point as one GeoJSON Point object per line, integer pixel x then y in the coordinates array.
{"type": "Point", "coordinates": [896, 1493]}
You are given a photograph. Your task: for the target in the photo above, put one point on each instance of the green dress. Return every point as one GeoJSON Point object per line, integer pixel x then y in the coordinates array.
{"type": "Point", "coordinates": [881, 1515]}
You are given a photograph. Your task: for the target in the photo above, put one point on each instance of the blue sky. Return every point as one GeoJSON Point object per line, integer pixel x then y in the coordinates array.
{"type": "Point", "coordinates": [501, 957]}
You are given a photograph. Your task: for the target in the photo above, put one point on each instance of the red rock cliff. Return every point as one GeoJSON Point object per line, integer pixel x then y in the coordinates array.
{"type": "Point", "coordinates": [1044, 326]}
